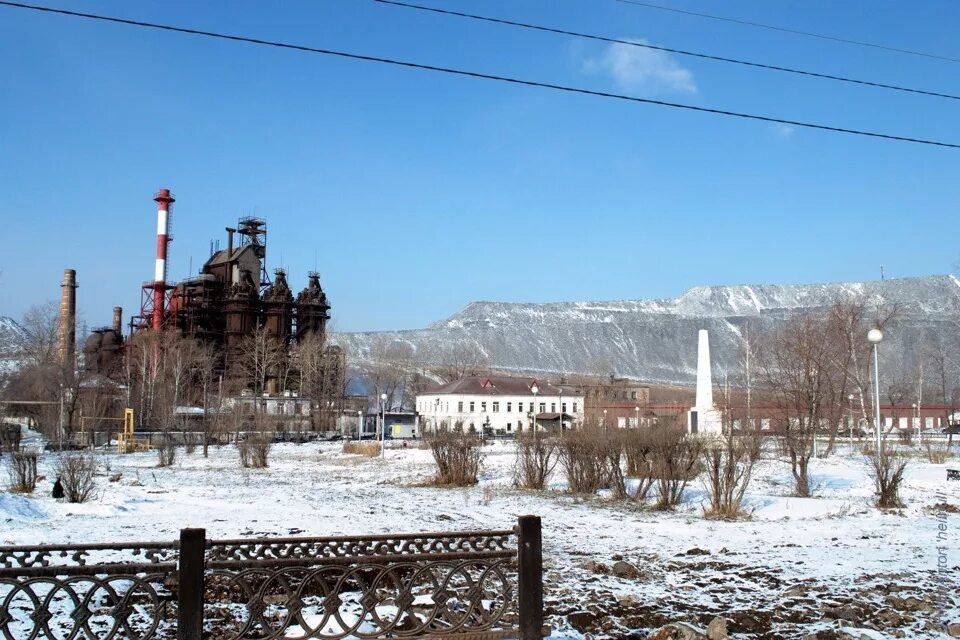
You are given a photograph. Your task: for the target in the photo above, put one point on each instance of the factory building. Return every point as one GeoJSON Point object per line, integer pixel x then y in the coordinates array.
{"type": "Point", "coordinates": [230, 299]}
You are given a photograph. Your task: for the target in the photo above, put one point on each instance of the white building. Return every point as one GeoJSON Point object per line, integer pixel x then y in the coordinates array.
{"type": "Point", "coordinates": [499, 404]}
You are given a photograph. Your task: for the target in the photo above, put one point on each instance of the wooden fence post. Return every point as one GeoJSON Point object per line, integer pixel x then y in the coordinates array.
{"type": "Point", "coordinates": [193, 546]}
{"type": "Point", "coordinates": [530, 578]}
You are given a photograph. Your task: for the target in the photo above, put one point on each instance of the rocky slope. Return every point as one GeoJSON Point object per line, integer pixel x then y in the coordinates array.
{"type": "Point", "coordinates": [655, 340]}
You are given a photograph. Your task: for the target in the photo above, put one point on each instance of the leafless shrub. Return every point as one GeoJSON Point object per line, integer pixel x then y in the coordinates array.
{"type": "Point", "coordinates": [937, 451]}
{"type": "Point", "coordinates": [458, 458]}
{"type": "Point", "coordinates": [255, 450]}
{"type": "Point", "coordinates": [612, 449]}
{"type": "Point", "coordinates": [756, 442]}
{"type": "Point", "coordinates": [23, 471]}
{"type": "Point", "coordinates": [166, 452]}
{"type": "Point", "coordinates": [675, 457]}
{"type": "Point", "coordinates": [537, 456]}
{"type": "Point", "coordinates": [637, 449]}
{"type": "Point", "coordinates": [728, 465]}
{"type": "Point", "coordinates": [583, 458]}
{"type": "Point", "coordinates": [906, 437]}
{"type": "Point", "coordinates": [76, 473]}
{"type": "Point", "coordinates": [886, 467]}
{"type": "Point", "coordinates": [368, 449]}
{"type": "Point", "coordinates": [189, 443]}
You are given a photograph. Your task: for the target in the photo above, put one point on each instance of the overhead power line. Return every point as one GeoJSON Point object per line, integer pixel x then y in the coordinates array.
{"type": "Point", "coordinates": [473, 74]}
{"type": "Point", "coordinates": [796, 32]}
{"type": "Point", "coordinates": [705, 56]}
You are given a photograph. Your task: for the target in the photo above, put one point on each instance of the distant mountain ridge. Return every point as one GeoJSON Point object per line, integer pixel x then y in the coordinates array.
{"type": "Point", "coordinates": [655, 340]}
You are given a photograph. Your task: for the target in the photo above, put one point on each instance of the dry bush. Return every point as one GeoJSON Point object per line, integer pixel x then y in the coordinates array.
{"type": "Point", "coordinates": [255, 450]}
{"type": "Point", "coordinates": [675, 462]}
{"type": "Point", "coordinates": [23, 471]}
{"type": "Point", "coordinates": [755, 441]}
{"type": "Point", "coordinates": [612, 451]}
{"type": "Point", "coordinates": [76, 473]}
{"type": "Point", "coordinates": [906, 437]}
{"type": "Point", "coordinates": [937, 451]}
{"type": "Point", "coordinates": [166, 452]}
{"type": "Point", "coordinates": [886, 467]}
{"type": "Point", "coordinates": [458, 458]}
{"type": "Point", "coordinates": [583, 455]}
{"type": "Point", "coordinates": [637, 449]}
{"type": "Point", "coordinates": [189, 443]}
{"type": "Point", "coordinates": [537, 455]}
{"type": "Point", "coordinates": [728, 465]}
{"type": "Point", "coordinates": [368, 449]}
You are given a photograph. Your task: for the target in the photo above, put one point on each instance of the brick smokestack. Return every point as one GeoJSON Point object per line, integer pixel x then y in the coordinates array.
{"type": "Point", "coordinates": [68, 320]}
{"type": "Point", "coordinates": [117, 325]}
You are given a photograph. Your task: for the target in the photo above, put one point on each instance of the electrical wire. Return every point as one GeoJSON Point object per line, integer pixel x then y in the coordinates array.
{"type": "Point", "coordinates": [705, 56]}
{"type": "Point", "coordinates": [473, 74]}
{"type": "Point", "coordinates": [797, 32]}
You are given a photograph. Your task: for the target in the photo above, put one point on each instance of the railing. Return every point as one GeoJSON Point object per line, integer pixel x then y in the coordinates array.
{"type": "Point", "coordinates": [476, 584]}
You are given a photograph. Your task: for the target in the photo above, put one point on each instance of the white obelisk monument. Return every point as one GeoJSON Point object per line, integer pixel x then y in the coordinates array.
{"type": "Point", "coordinates": [704, 419]}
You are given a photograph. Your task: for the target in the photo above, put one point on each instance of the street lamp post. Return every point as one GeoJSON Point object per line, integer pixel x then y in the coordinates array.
{"type": "Point", "coordinates": [916, 411]}
{"type": "Point", "coordinates": [383, 426]}
{"type": "Point", "coordinates": [561, 406]}
{"type": "Point", "coordinates": [637, 411]}
{"type": "Point", "coordinates": [604, 421]}
{"type": "Point", "coordinates": [850, 399]}
{"type": "Point", "coordinates": [534, 389]}
{"type": "Point", "coordinates": [436, 415]}
{"type": "Point", "coordinates": [875, 336]}
{"type": "Point", "coordinates": [359, 424]}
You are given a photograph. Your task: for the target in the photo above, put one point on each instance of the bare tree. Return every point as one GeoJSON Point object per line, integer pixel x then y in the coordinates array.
{"type": "Point", "coordinates": [385, 374]}
{"type": "Point", "coordinates": [321, 371]}
{"type": "Point", "coordinates": [797, 371]}
{"type": "Point", "coordinates": [849, 320]}
{"type": "Point", "coordinates": [206, 370]}
{"type": "Point", "coordinates": [462, 359]}
{"type": "Point", "coordinates": [261, 356]}
{"type": "Point", "coordinates": [41, 323]}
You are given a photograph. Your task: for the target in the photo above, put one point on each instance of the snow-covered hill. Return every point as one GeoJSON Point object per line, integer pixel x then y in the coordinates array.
{"type": "Point", "coordinates": [655, 340]}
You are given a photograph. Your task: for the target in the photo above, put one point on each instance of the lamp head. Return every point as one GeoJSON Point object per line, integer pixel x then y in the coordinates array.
{"type": "Point", "coordinates": [534, 389]}
{"type": "Point", "coordinates": [875, 335]}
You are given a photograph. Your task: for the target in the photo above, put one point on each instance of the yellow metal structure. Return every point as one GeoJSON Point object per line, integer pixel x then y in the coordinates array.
{"type": "Point", "coordinates": [125, 440]}
{"type": "Point", "coordinates": [83, 425]}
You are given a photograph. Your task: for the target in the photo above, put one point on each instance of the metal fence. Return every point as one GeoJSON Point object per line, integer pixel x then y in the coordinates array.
{"type": "Point", "coordinates": [472, 584]}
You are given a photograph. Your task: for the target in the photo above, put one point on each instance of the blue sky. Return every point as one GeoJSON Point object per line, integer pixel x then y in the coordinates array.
{"type": "Point", "coordinates": [415, 193]}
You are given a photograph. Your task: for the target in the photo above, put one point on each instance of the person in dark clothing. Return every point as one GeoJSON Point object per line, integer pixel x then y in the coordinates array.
{"type": "Point", "coordinates": [57, 489]}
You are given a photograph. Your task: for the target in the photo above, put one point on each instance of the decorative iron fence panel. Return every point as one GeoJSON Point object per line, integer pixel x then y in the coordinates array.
{"type": "Point", "coordinates": [459, 584]}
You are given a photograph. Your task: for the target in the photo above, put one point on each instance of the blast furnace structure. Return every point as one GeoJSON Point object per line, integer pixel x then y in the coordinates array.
{"type": "Point", "coordinates": [230, 299]}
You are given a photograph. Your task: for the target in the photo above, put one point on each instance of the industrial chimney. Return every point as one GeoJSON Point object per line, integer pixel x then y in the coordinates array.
{"type": "Point", "coordinates": [117, 324]}
{"type": "Point", "coordinates": [163, 200]}
{"type": "Point", "coordinates": [68, 320]}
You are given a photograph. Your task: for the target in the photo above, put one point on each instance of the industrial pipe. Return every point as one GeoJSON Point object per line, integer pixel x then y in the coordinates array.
{"type": "Point", "coordinates": [163, 200]}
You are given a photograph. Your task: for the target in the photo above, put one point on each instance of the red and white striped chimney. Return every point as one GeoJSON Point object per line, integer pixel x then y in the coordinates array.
{"type": "Point", "coordinates": [163, 200]}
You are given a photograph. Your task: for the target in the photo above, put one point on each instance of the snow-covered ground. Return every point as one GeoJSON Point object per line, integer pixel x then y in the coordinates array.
{"type": "Point", "coordinates": [796, 567]}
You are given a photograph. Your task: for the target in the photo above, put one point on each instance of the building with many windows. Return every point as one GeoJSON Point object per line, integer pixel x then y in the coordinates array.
{"type": "Point", "coordinates": [499, 404]}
